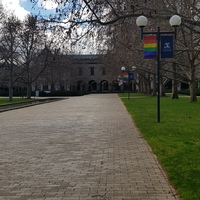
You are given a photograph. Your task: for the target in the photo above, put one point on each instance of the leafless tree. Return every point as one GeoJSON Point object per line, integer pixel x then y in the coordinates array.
{"type": "Point", "coordinates": [9, 55]}
{"type": "Point", "coordinates": [31, 46]}
{"type": "Point", "coordinates": [119, 16]}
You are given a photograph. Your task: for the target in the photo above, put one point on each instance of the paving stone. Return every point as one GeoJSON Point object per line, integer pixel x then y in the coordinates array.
{"type": "Point", "coordinates": [81, 148]}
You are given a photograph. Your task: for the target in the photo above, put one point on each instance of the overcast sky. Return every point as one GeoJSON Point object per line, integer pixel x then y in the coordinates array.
{"type": "Point", "coordinates": [23, 7]}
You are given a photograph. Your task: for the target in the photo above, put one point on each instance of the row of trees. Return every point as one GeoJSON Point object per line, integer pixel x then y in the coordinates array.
{"type": "Point", "coordinates": [112, 24]}
{"type": "Point", "coordinates": [28, 51]}
{"type": "Point", "coordinates": [126, 45]}
{"type": "Point", "coordinates": [20, 44]}
{"type": "Point", "coordinates": [115, 23]}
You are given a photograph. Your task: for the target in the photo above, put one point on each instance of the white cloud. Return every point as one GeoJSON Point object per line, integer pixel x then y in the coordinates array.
{"type": "Point", "coordinates": [48, 4]}
{"type": "Point", "coordinates": [13, 6]}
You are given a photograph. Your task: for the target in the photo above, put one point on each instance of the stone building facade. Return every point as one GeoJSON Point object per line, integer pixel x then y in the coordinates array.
{"type": "Point", "coordinates": [89, 73]}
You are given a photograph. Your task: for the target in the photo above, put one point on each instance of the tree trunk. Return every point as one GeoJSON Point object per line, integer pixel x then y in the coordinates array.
{"type": "Point", "coordinates": [174, 89]}
{"type": "Point", "coordinates": [162, 87]}
{"type": "Point", "coordinates": [193, 97]}
{"type": "Point", "coordinates": [174, 83]}
{"type": "Point", "coordinates": [11, 65]}
{"type": "Point", "coordinates": [145, 86]}
{"type": "Point", "coordinates": [52, 87]}
{"type": "Point", "coordinates": [10, 91]}
{"type": "Point", "coordinates": [28, 91]}
{"type": "Point", "coordinates": [154, 89]}
{"type": "Point", "coordinates": [149, 84]}
{"type": "Point", "coordinates": [140, 84]}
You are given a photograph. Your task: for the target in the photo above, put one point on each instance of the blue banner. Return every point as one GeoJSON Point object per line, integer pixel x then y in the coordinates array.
{"type": "Point", "coordinates": [167, 47]}
{"type": "Point", "coordinates": [131, 76]}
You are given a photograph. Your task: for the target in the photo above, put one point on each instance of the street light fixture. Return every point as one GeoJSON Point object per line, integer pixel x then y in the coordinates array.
{"type": "Point", "coordinates": [134, 68]}
{"type": "Point", "coordinates": [141, 22]}
{"type": "Point", "coordinates": [175, 20]}
{"type": "Point", "coordinates": [123, 68]}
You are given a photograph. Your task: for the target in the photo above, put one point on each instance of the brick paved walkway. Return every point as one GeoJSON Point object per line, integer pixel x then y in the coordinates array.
{"type": "Point", "coordinates": [81, 148]}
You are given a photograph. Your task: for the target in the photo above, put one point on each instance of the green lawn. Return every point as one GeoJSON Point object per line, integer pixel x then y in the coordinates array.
{"type": "Point", "coordinates": [15, 100]}
{"type": "Point", "coordinates": [175, 140]}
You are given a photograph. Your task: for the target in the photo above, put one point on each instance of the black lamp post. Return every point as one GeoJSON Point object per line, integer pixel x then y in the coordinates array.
{"type": "Point", "coordinates": [142, 22]}
{"type": "Point", "coordinates": [129, 78]}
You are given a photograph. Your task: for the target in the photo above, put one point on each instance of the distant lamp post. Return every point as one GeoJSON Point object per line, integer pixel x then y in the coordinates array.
{"type": "Point", "coordinates": [120, 83]}
{"type": "Point", "coordinates": [128, 77]}
{"type": "Point", "coordinates": [164, 45]}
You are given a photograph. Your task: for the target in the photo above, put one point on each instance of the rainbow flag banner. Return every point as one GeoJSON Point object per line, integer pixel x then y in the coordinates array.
{"type": "Point", "coordinates": [126, 77]}
{"type": "Point", "coordinates": [150, 47]}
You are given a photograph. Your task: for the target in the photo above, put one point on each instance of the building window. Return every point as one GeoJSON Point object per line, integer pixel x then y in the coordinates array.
{"type": "Point", "coordinates": [92, 71]}
{"type": "Point", "coordinates": [80, 71]}
{"type": "Point", "coordinates": [104, 71]}
{"type": "Point", "coordinates": [45, 87]}
{"type": "Point", "coordinates": [62, 87]}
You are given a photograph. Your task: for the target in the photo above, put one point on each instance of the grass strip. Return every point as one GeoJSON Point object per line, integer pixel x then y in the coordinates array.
{"type": "Point", "coordinates": [14, 100]}
{"type": "Point", "coordinates": [175, 141]}
{"type": "Point", "coordinates": [6, 105]}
